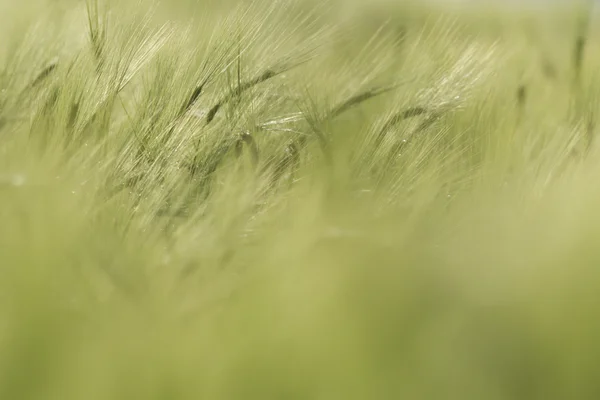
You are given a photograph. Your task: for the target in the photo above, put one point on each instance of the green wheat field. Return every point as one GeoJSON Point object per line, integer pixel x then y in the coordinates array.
{"type": "Point", "coordinates": [298, 199]}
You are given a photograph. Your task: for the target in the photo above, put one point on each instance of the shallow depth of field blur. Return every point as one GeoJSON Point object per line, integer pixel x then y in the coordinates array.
{"type": "Point", "coordinates": [299, 200]}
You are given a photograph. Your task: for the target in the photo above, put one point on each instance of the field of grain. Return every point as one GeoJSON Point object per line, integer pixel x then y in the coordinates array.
{"type": "Point", "coordinates": [298, 200]}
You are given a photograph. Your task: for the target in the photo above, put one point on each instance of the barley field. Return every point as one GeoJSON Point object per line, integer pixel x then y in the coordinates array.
{"type": "Point", "coordinates": [206, 199]}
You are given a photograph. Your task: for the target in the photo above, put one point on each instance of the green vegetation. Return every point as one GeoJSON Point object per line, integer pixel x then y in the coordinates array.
{"type": "Point", "coordinates": [291, 200]}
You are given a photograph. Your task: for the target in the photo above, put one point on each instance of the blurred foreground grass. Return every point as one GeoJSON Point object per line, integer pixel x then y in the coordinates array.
{"type": "Point", "coordinates": [293, 200]}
